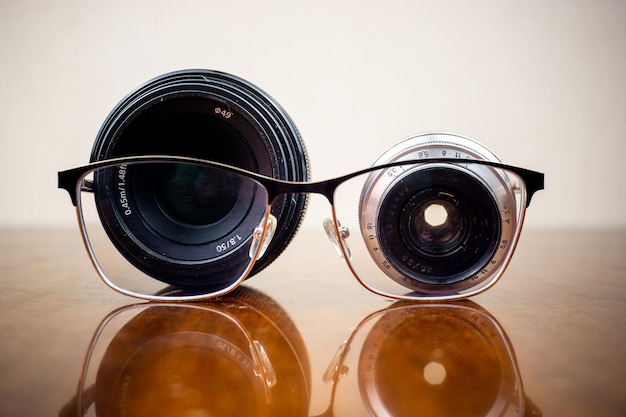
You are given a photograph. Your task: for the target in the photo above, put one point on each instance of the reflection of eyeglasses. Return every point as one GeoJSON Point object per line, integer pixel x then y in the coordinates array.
{"type": "Point", "coordinates": [406, 359]}
{"type": "Point", "coordinates": [431, 228]}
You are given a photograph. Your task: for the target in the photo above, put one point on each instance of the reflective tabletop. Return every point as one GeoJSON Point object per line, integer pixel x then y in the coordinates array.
{"type": "Point", "coordinates": [303, 338]}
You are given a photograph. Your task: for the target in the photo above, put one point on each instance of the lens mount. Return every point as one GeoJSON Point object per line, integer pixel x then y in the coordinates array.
{"type": "Point", "coordinates": [209, 115]}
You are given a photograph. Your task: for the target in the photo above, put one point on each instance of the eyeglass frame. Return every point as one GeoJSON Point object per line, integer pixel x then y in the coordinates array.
{"type": "Point", "coordinates": [70, 180]}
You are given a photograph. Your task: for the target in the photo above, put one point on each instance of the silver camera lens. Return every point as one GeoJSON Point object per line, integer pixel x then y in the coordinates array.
{"type": "Point", "coordinates": [440, 226]}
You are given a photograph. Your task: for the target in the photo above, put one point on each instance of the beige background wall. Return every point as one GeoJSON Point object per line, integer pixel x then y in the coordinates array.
{"type": "Point", "coordinates": [543, 83]}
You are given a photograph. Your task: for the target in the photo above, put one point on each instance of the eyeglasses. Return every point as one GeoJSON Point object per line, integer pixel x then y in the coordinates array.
{"type": "Point", "coordinates": [176, 228]}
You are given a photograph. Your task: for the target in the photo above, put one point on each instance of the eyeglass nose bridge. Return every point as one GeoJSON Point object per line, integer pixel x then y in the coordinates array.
{"type": "Point", "coordinates": [337, 234]}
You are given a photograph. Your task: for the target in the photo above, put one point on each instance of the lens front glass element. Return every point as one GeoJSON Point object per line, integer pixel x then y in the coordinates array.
{"type": "Point", "coordinates": [190, 225]}
{"type": "Point", "coordinates": [441, 217]}
{"type": "Point", "coordinates": [192, 196]}
{"type": "Point", "coordinates": [186, 204]}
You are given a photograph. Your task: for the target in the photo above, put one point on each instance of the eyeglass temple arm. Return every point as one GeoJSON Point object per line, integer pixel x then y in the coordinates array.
{"type": "Point", "coordinates": [67, 180]}
{"type": "Point", "coordinates": [534, 181]}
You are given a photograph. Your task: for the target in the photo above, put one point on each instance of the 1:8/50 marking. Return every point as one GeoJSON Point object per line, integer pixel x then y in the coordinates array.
{"type": "Point", "coordinates": [232, 242]}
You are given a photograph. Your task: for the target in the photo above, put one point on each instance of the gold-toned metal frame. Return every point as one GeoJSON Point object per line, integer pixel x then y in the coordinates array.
{"type": "Point", "coordinates": [72, 181]}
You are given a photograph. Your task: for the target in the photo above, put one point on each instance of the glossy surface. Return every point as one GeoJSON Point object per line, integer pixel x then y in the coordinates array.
{"type": "Point", "coordinates": [549, 337]}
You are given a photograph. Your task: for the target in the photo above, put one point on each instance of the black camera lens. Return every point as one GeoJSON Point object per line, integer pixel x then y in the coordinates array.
{"type": "Point", "coordinates": [438, 225]}
{"type": "Point", "coordinates": [175, 223]}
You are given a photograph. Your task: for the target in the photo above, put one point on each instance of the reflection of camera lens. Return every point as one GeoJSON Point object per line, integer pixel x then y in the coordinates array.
{"type": "Point", "coordinates": [208, 115]}
{"type": "Point", "coordinates": [198, 360]}
{"type": "Point", "coordinates": [157, 382]}
{"type": "Point", "coordinates": [440, 217]}
{"type": "Point", "coordinates": [436, 360]}
{"type": "Point", "coordinates": [178, 367]}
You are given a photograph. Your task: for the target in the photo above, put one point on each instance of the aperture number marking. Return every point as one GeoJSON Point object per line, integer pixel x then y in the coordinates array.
{"type": "Point", "coordinates": [230, 243]}
{"type": "Point", "coordinates": [121, 189]}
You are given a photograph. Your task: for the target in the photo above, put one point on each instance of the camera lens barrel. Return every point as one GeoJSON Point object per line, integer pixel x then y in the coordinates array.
{"type": "Point", "coordinates": [440, 227]}
{"type": "Point", "coordinates": [209, 115]}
